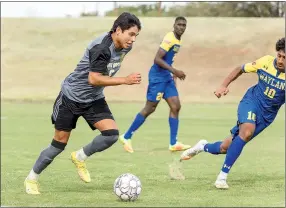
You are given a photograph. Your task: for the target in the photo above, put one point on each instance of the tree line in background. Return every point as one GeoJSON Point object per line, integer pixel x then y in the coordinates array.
{"type": "Point", "coordinates": [202, 9]}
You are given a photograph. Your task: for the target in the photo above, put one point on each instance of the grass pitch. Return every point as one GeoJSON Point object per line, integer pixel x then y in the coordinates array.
{"type": "Point", "coordinates": [257, 179]}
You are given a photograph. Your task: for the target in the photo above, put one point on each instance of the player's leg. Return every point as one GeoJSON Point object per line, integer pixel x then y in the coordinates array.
{"type": "Point", "coordinates": [98, 117]}
{"type": "Point", "coordinates": [221, 147]}
{"type": "Point", "coordinates": [216, 148]}
{"type": "Point", "coordinates": [248, 118]}
{"type": "Point", "coordinates": [140, 118]}
{"type": "Point", "coordinates": [246, 131]}
{"type": "Point", "coordinates": [155, 93]}
{"type": "Point", "coordinates": [172, 98]}
{"type": "Point", "coordinates": [64, 121]}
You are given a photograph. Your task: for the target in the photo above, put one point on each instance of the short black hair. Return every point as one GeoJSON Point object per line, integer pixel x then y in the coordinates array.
{"type": "Point", "coordinates": [180, 18]}
{"type": "Point", "coordinates": [280, 44]}
{"type": "Point", "coordinates": [125, 21]}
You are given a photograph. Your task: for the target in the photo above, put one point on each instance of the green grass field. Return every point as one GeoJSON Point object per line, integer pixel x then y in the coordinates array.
{"type": "Point", "coordinates": [257, 179]}
{"type": "Point", "coordinates": [48, 49]}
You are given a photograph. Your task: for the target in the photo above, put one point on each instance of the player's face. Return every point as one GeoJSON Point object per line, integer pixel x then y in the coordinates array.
{"type": "Point", "coordinates": [180, 27]}
{"type": "Point", "coordinates": [281, 60]}
{"type": "Point", "coordinates": [128, 37]}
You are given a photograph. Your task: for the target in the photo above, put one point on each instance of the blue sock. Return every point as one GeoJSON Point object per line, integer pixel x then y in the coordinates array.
{"type": "Point", "coordinates": [213, 148]}
{"type": "Point", "coordinates": [174, 123]}
{"type": "Point", "coordinates": [233, 153]}
{"type": "Point", "coordinates": [139, 120]}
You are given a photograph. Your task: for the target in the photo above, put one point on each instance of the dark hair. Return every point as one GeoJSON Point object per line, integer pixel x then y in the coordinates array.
{"type": "Point", "coordinates": [125, 21]}
{"type": "Point", "coordinates": [280, 44]}
{"type": "Point", "coordinates": [180, 18]}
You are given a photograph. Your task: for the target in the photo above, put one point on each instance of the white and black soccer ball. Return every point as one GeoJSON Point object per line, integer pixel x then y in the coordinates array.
{"type": "Point", "coordinates": [127, 187]}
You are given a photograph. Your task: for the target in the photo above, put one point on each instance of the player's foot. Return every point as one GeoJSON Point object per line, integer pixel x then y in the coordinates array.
{"type": "Point", "coordinates": [126, 144]}
{"type": "Point", "coordinates": [178, 147]}
{"type": "Point", "coordinates": [31, 186]}
{"type": "Point", "coordinates": [221, 184]}
{"type": "Point", "coordinates": [81, 168]}
{"type": "Point", "coordinates": [189, 153]}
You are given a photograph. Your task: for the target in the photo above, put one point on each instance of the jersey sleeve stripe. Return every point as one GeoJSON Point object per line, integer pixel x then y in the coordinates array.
{"type": "Point", "coordinates": [243, 69]}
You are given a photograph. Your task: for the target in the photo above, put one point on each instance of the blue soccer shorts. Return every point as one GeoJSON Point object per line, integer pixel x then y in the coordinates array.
{"type": "Point", "coordinates": [248, 112]}
{"type": "Point", "coordinates": [157, 91]}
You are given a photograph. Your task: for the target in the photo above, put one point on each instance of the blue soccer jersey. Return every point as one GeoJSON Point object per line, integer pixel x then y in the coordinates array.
{"type": "Point", "coordinates": [269, 93]}
{"type": "Point", "coordinates": [171, 45]}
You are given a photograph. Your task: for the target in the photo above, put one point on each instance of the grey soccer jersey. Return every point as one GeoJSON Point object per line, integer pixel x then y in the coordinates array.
{"type": "Point", "coordinates": [100, 56]}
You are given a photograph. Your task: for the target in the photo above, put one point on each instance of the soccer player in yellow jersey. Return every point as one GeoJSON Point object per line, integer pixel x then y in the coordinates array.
{"type": "Point", "coordinates": [256, 111]}
{"type": "Point", "coordinates": [162, 85]}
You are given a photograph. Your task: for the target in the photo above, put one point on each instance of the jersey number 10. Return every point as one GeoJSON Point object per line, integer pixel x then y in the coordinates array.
{"type": "Point", "coordinates": [251, 116]}
{"type": "Point", "coordinates": [270, 92]}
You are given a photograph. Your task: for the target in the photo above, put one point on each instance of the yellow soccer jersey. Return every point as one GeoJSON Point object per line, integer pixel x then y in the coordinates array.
{"type": "Point", "coordinates": [171, 46]}
{"type": "Point", "coordinates": [269, 92]}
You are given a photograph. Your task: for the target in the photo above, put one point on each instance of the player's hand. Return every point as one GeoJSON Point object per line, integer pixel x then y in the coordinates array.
{"type": "Point", "coordinates": [221, 91]}
{"type": "Point", "coordinates": [134, 78]}
{"type": "Point", "coordinates": [180, 74]}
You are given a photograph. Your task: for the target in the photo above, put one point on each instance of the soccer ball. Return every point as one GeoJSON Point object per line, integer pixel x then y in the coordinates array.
{"type": "Point", "coordinates": [127, 187]}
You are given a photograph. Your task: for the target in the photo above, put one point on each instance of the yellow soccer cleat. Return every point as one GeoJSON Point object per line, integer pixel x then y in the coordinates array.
{"type": "Point", "coordinates": [178, 147]}
{"type": "Point", "coordinates": [126, 144]}
{"type": "Point", "coordinates": [32, 187]}
{"type": "Point", "coordinates": [81, 168]}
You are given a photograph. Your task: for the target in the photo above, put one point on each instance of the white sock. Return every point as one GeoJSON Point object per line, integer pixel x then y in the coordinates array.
{"type": "Point", "coordinates": [33, 176]}
{"type": "Point", "coordinates": [222, 175]}
{"type": "Point", "coordinates": [201, 149]}
{"type": "Point", "coordinates": [80, 155]}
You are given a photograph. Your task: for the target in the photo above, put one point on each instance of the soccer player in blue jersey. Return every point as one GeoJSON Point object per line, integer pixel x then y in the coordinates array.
{"type": "Point", "coordinates": [162, 85]}
{"type": "Point", "coordinates": [256, 111]}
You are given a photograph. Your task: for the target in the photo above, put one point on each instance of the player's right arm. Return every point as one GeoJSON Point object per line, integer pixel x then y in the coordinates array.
{"type": "Point", "coordinates": [165, 46]}
{"type": "Point", "coordinates": [223, 89]}
{"type": "Point", "coordinates": [99, 57]}
{"type": "Point", "coordinates": [251, 67]}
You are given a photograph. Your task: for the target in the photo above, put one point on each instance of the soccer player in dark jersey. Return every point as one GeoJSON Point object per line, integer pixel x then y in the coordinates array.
{"type": "Point", "coordinates": [82, 95]}
{"type": "Point", "coordinates": [256, 111]}
{"type": "Point", "coordinates": [162, 85]}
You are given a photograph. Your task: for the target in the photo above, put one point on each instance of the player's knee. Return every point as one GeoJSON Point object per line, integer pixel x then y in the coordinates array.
{"type": "Point", "coordinates": [152, 109]}
{"type": "Point", "coordinates": [111, 136]}
{"type": "Point", "coordinates": [175, 108]}
{"type": "Point", "coordinates": [62, 137]}
{"type": "Point", "coordinates": [225, 145]}
{"type": "Point", "coordinates": [223, 150]}
{"type": "Point", "coordinates": [246, 135]}
{"type": "Point", "coordinates": [58, 144]}
{"type": "Point", "coordinates": [148, 110]}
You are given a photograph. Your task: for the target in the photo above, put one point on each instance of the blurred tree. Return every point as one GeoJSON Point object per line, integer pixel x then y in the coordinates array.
{"type": "Point", "coordinates": [207, 9]}
{"type": "Point", "coordinates": [88, 14]}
